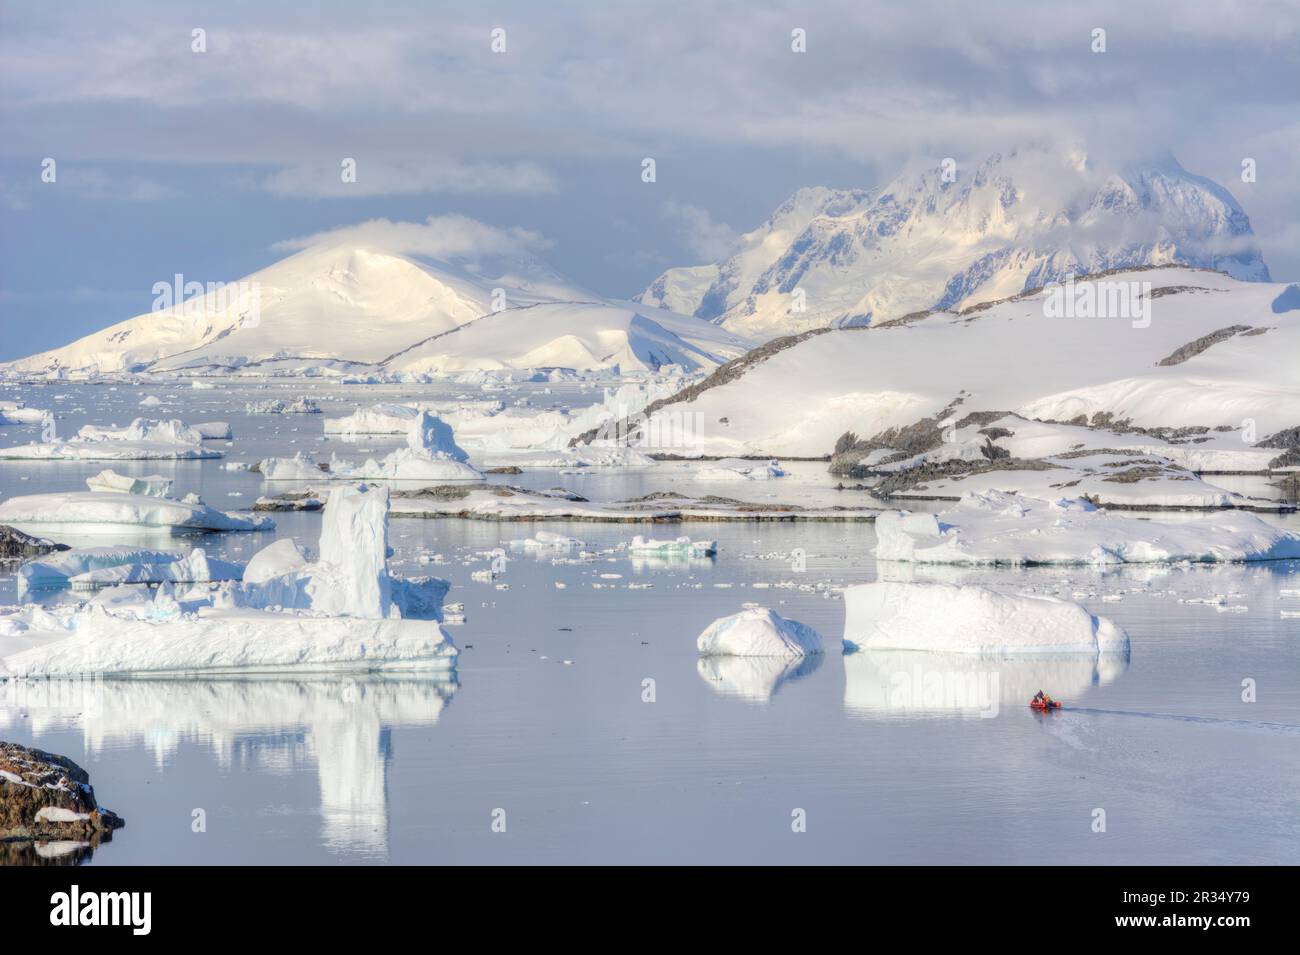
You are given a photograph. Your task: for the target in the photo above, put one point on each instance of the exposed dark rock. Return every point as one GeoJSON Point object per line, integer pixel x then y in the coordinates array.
{"type": "Point", "coordinates": [1194, 348]}
{"type": "Point", "coordinates": [1287, 438]}
{"type": "Point", "coordinates": [14, 544]}
{"type": "Point", "coordinates": [291, 501]}
{"type": "Point", "coordinates": [913, 478]}
{"type": "Point", "coordinates": [507, 469]}
{"type": "Point", "coordinates": [46, 798]}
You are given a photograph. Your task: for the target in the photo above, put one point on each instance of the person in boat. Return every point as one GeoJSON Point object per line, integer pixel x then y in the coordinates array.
{"type": "Point", "coordinates": [1043, 700]}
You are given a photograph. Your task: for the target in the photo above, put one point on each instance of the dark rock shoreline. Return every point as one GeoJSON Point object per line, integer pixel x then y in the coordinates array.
{"type": "Point", "coordinates": [48, 811]}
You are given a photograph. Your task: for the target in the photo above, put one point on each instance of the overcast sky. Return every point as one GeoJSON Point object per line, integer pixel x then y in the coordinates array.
{"type": "Point", "coordinates": [212, 163]}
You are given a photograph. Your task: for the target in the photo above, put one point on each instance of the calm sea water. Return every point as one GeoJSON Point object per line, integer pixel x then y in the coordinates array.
{"type": "Point", "coordinates": [581, 721]}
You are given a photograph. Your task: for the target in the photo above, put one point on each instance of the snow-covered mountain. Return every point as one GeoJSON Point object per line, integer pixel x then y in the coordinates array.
{"type": "Point", "coordinates": [342, 305]}
{"type": "Point", "coordinates": [1201, 350]}
{"type": "Point", "coordinates": [1012, 223]}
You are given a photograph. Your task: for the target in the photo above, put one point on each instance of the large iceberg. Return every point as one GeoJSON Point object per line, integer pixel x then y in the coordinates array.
{"type": "Point", "coordinates": [993, 527]}
{"type": "Point", "coordinates": [758, 632]}
{"type": "Point", "coordinates": [972, 619]}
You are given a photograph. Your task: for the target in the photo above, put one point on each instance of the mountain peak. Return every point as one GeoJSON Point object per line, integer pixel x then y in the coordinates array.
{"type": "Point", "coordinates": [952, 234]}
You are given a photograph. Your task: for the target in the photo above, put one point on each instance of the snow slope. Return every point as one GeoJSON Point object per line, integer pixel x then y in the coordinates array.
{"type": "Point", "coordinates": [580, 336]}
{"type": "Point", "coordinates": [1007, 224]}
{"type": "Point", "coordinates": [341, 305]}
{"type": "Point", "coordinates": [1011, 357]}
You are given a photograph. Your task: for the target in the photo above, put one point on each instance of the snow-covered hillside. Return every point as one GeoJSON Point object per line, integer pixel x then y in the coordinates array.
{"type": "Point", "coordinates": [1009, 224]}
{"type": "Point", "coordinates": [344, 306]}
{"type": "Point", "coordinates": [573, 335]}
{"type": "Point", "coordinates": [1212, 352]}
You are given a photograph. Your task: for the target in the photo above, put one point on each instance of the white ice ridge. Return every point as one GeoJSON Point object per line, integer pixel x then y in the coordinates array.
{"type": "Point", "coordinates": [971, 619]}
{"type": "Point", "coordinates": [142, 440]}
{"type": "Point", "coordinates": [758, 632]}
{"type": "Point", "coordinates": [997, 528]}
{"type": "Point", "coordinates": [234, 640]}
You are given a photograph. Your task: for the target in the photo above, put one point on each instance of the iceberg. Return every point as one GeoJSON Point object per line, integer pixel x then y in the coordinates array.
{"type": "Point", "coordinates": [107, 511]}
{"type": "Point", "coordinates": [737, 470]}
{"type": "Point", "coordinates": [758, 632]}
{"type": "Point", "coordinates": [154, 485]}
{"type": "Point", "coordinates": [234, 640]}
{"type": "Point", "coordinates": [278, 406]}
{"type": "Point", "coordinates": [377, 419]}
{"type": "Point", "coordinates": [431, 454]}
{"type": "Point", "coordinates": [142, 440]}
{"type": "Point", "coordinates": [682, 546]}
{"type": "Point", "coordinates": [14, 413]}
{"type": "Point", "coordinates": [953, 618]}
{"type": "Point", "coordinates": [90, 567]}
{"type": "Point", "coordinates": [993, 527]}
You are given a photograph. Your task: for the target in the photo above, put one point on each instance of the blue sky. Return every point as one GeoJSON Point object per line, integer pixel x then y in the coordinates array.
{"type": "Point", "coordinates": [170, 160]}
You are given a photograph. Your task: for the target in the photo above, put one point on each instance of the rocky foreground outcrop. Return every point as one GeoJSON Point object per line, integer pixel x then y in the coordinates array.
{"type": "Point", "coordinates": [48, 811]}
{"type": "Point", "coordinates": [15, 545]}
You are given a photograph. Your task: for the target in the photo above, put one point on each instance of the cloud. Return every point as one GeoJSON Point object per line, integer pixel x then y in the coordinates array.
{"type": "Point", "coordinates": [408, 178]}
{"type": "Point", "coordinates": [707, 240]}
{"type": "Point", "coordinates": [438, 237]}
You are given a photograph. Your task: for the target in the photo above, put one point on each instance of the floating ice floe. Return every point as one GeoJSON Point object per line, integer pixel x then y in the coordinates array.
{"type": "Point", "coordinates": [547, 540]}
{"type": "Point", "coordinates": [758, 632]}
{"type": "Point", "coordinates": [340, 611]}
{"type": "Point", "coordinates": [142, 440]}
{"type": "Point", "coordinates": [738, 470]}
{"type": "Point", "coordinates": [971, 619]}
{"type": "Point", "coordinates": [92, 568]}
{"type": "Point", "coordinates": [13, 412]}
{"type": "Point", "coordinates": [683, 546]}
{"type": "Point", "coordinates": [382, 418]}
{"type": "Point", "coordinates": [215, 431]}
{"type": "Point", "coordinates": [431, 454]}
{"type": "Point", "coordinates": [997, 528]}
{"type": "Point", "coordinates": [279, 406]}
{"type": "Point", "coordinates": [90, 512]}
{"type": "Point", "coordinates": [153, 485]}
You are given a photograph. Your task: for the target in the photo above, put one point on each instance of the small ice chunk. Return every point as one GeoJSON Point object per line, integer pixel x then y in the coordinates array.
{"type": "Point", "coordinates": [758, 632]}
{"type": "Point", "coordinates": [153, 485]}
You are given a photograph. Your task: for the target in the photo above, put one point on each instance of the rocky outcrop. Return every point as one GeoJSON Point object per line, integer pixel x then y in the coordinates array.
{"type": "Point", "coordinates": [15, 545]}
{"type": "Point", "coordinates": [48, 812]}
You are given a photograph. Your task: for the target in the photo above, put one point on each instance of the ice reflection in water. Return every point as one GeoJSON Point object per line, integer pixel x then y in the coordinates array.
{"type": "Point", "coordinates": [340, 724]}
